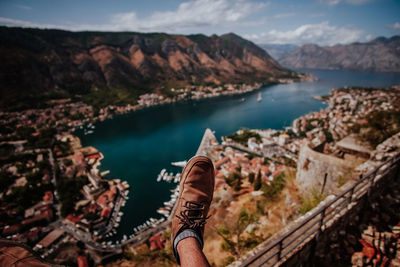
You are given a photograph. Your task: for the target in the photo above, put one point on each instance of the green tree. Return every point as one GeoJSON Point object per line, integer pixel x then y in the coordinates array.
{"type": "Point", "coordinates": [70, 192]}
{"type": "Point", "coordinates": [244, 136]}
{"type": "Point", "coordinates": [257, 182]}
{"type": "Point", "coordinates": [251, 177]}
{"type": "Point", "coordinates": [234, 240]}
{"type": "Point", "coordinates": [6, 179]}
{"type": "Point", "coordinates": [381, 125]}
{"type": "Point", "coordinates": [328, 135]}
{"type": "Point", "coordinates": [234, 180]}
{"type": "Point", "coordinates": [239, 169]}
{"type": "Point", "coordinates": [276, 186]}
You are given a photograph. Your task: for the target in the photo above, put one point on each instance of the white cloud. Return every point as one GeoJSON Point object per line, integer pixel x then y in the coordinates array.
{"type": "Point", "coordinates": [26, 24]}
{"type": "Point", "coordinates": [322, 34]}
{"type": "Point", "coordinates": [188, 15]}
{"type": "Point", "coordinates": [352, 2]}
{"type": "Point", "coordinates": [395, 26]}
{"type": "Point", "coordinates": [197, 13]}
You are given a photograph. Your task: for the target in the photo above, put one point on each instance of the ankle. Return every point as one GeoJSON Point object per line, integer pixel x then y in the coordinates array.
{"type": "Point", "coordinates": [190, 243]}
{"type": "Point", "coordinates": [191, 253]}
{"type": "Point", "coordinates": [186, 237]}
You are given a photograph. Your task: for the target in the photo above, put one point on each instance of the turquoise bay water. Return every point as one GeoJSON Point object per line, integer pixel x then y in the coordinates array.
{"type": "Point", "coordinates": [137, 146]}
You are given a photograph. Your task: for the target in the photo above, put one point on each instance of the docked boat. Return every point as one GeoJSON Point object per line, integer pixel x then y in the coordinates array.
{"type": "Point", "coordinates": [161, 175]}
{"type": "Point", "coordinates": [105, 173]}
{"type": "Point", "coordinates": [179, 163]}
{"type": "Point", "coordinates": [259, 98]}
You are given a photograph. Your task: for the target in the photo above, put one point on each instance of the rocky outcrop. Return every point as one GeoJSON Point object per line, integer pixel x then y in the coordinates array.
{"type": "Point", "coordinates": [40, 62]}
{"type": "Point", "coordinates": [381, 55]}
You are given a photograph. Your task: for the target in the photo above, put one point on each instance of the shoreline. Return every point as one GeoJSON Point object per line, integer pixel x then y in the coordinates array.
{"type": "Point", "coordinates": [111, 110]}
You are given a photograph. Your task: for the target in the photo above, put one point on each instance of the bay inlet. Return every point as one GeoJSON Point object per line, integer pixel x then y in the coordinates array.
{"type": "Point", "coordinates": [138, 145]}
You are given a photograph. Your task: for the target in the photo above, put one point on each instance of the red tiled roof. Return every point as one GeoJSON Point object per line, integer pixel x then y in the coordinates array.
{"type": "Point", "coordinates": [47, 214]}
{"type": "Point", "coordinates": [48, 195]}
{"type": "Point", "coordinates": [102, 200]}
{"type": "Point", "coordinates": [110, 195]}
{"type": "Point", "coordinates": [156, 245]}
{"type": "Point", "coordinates": [82, 261]}
{"type": "Point", "coordinates": [221, 162]}
{"type": "Point", "coordinates": [153, 245]}
{"type": "Point", "coordinates": [95, 156]}
{"type": "Point", "coordinates": [105, 212]}
{"type": "Point", "coordinates": [51, 237]}
{"type": "Point", "coordinates": [265, 169]}
{"type": "Point", "coordinates": [219, 175]}
{"type": "Point", "coordinates": [155, 237]}
{"type": "Point", "coordinates": [13, 229]}
{"type": "Point", "coordinates": [362, 121]}
{"type": "Point", "coordinates": [218, 183]}
{"type": "Point", "coordinates": [73, 218]}
{"type": "Point", "coordinates": [113, 189]}
{"type": "Point", "coordinates": [93, 208]}
{"type": "Point", "coordinates": [33, 235]}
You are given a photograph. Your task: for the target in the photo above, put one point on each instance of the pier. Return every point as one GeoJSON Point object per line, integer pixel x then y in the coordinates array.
{"type": "Point", "coordinates": [206, 142]}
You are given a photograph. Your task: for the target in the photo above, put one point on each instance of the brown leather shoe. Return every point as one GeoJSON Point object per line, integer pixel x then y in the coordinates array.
{"type": "Point", "coordinates": [195, 195]}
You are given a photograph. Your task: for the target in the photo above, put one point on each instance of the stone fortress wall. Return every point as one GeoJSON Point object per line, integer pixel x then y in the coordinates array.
{"type": "Point", "coordinates": [312, 167]}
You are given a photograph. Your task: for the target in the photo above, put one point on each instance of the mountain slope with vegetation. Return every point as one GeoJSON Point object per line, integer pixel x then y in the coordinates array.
{"type": "Point", "coordinates": [41, 64]}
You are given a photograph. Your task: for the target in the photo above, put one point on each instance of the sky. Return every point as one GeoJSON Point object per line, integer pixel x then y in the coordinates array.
{"type": "Point", "coordinates": [323, 22]}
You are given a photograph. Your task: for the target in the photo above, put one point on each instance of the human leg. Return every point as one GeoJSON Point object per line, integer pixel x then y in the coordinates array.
{"type": "Point", "coordinates": [196, 191]}
{"type": "Point", "coordinates": [190, 253]}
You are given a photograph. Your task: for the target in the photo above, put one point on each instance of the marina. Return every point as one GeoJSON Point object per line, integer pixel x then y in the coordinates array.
{"type": "Point", "coordinates": [168, 177]}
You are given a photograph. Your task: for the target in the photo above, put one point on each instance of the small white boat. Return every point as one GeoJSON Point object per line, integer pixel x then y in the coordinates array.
{"type": "Point", "coordinates": [179, 163]}
{"type": "Point", "coordinates": [259, 98]}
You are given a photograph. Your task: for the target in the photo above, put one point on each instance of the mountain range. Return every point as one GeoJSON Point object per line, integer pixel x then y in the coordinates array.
{"type": "Point", "coordinates": [379, 55]}
{"type": "Point", "coordinates": [278, 51]}
{"type": "Point", "coordinates": [36, 62]}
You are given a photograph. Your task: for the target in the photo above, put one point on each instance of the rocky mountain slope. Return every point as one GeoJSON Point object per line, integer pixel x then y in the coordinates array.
{"type": "Point", "coordinates": [381, 55]}
{"type": "Point", "coordinates": [37, 62]}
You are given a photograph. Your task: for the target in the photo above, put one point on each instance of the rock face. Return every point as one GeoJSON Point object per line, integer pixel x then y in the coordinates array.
{"type": "Point", "coordinates": [40, 61]}
{"type": "Point", "coordinates": [381, 55]}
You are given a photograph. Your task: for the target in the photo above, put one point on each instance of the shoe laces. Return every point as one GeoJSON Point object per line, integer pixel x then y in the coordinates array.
{"type": "Point", "coordinates": [192, 217]}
